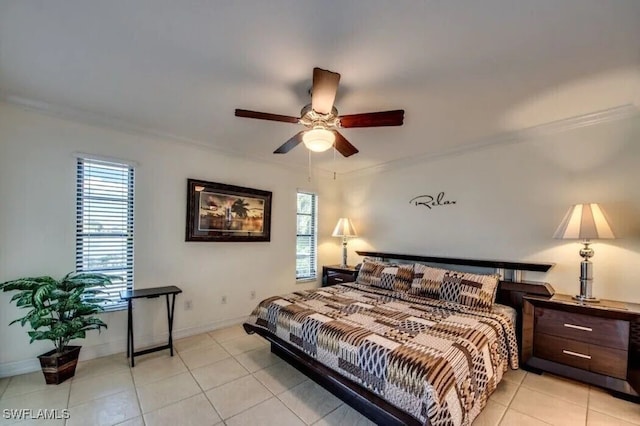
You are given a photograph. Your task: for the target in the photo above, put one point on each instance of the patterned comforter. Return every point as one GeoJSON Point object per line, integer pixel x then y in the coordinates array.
{"type": "Point", "coordinates": [438, 361]}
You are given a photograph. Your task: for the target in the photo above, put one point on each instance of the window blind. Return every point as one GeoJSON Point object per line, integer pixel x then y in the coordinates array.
{"type": "Point", "coordinates": [104, 224]}
{"type": "Point", "coordinates": [306, 242]}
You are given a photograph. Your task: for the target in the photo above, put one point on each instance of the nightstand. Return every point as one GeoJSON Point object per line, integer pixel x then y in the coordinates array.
{"type": "Point", "coordinates": [596, 343]}
{"type": "Point", "coordinates": [336, 274]}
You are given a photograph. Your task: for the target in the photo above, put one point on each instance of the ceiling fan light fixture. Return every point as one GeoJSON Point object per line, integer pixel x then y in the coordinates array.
{"type": "Point", "coordinates": [318, 139]}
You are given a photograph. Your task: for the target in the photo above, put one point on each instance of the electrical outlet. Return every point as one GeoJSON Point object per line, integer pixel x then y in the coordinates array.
{"type": "Point", "coordinates": [188, 305]}
{"type": "Point", "coordinates": [223, 300]}
{"type": "Point", "coordinates": [253, 294]}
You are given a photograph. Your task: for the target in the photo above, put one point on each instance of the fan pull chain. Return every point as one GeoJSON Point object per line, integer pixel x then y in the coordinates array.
{"type": "Point", "coordinates": [309, 177]}
{"type": "Point", "coordinates": [334, 161]}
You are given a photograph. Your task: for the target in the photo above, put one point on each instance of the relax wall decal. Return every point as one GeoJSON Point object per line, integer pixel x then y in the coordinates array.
{"type": "Point", "coordinates": [429, 201]}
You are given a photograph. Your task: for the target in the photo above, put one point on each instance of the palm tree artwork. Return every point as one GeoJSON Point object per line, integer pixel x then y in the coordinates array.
{"type": "Point", "coordinates": [240, 208]}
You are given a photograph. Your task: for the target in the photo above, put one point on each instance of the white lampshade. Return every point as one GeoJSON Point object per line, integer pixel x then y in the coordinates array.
{"type": "Point", "coordinates": [584, 222]}
{"type": "Point", "coordinates": [318, 139]}
{"type": "Point", "coordinates": [344, 228]}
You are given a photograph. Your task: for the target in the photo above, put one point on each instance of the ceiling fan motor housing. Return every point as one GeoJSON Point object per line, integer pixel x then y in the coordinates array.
{"type": "Point", "coordinates": [312, 119]}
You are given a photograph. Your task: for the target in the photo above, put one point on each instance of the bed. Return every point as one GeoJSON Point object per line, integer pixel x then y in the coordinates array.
{"type": "Point", "coordinates": [394, 345]}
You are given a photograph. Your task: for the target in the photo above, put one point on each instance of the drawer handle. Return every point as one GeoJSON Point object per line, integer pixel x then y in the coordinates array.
{"type": "Point", "coordinates": [338, 279]}
{"type": "Point", "coordinates": [579, 355]}
{"type": "Point", "coordinates": [578, 327]}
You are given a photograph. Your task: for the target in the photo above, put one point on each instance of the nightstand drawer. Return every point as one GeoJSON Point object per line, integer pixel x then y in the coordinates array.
{"type": "Point", "coordinates": [339, 278]}
{"type": "Point", "coordinates": [590, 329]}
{"type": "Point", "coordinates": [598, 359]}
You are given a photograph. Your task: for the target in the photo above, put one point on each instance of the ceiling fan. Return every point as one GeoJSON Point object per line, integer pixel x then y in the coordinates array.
{"type": "Point", "coordinates": [321, 118]}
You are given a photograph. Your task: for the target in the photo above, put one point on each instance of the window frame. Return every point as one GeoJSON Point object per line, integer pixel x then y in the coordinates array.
{"type": "Point", "coordinates": [313, 267]}
{"type": "Point", "coordinates": [103, 203]}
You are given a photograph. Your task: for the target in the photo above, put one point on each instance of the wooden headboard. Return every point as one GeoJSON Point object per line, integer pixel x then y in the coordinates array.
{"type": "Point", "coordinates": [510, 272]}
{"type": "Point", "coordinates": [511, 288]}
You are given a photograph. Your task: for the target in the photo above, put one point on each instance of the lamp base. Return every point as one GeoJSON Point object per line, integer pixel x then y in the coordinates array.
{"type": "Point", "coordinates": [586, 299]}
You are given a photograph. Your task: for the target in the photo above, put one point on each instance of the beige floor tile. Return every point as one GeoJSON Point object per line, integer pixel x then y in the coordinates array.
{"type": "Point", "coordinates": [548, 408]}
{"type": "Point", "coordinates": [244, 343]}
{"type": "Point", "coordinates": [516, 376]}
{"type": "Point", "coordinates": [258, 359]}
{"type": "Point", "coordinates": [271, 412]}
{"type": "Point", "coordinates": [490, 415]}
{"type": "Point", "coordinates": [344, 415]}
{"type": "Point", "coordinates": [235, 397]}
{"type": "Point", "coordinates": [193, 342]}
{"type": "Point", "coordinates": [505, 392]}
{"type": "Point", "coordinates": [151, 355]}
{"type": "Point", "coordinates": [310, 401]}
{"type": "Point", "coordinates": [159, 368]}
{"type": "Point", "coordinates": [218, 373]}
{"type": "Point", "coordinates": [95, 387]}
{"type": "Point", "coordinates": [515, 418]}
{"type": "Point", "coordinates": [193, 411]}
{"type": "Point", "coordinates": [26, 383]}
{"type": "Point", "coordinates": [604, 402]}
{"type": "Point", "coordinates": [203, 356]}
{"type": "Point", "coordinates": [569, 390]}
{"type": "Point", "coordinates": [280, 377]}
{"type": "Point", "coordinates": [4, 382]}
{"type": "Point", "coordinates": [595, 418]}
{"type": "Point", "coordinates": [103, 365]}
{"type": "Point", "coordinates": [155, 395]}
{"type": "Point", "coordinates": [55, 397]}
{"type": "Point", "coordinates": [228, 333]}
{"type": "Point", "coordinates": [110, 410]}
{"type": "Point", "coordinates": [137, 421]}
{"type": "Point", "coordinates": [41, 422]}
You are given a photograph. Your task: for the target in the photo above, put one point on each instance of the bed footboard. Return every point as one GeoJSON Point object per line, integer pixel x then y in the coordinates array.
{"type": "Point", "coordinates": [367, 403]}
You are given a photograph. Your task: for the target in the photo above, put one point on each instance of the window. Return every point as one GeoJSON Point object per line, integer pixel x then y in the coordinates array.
{"type": "Point", "coordinates": [104, 224]}
{"type": "Point", "coordinates": [306, 240]}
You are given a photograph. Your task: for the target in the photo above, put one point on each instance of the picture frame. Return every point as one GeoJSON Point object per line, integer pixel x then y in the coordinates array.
{"type": "Point", "coordinates": [227, 213]}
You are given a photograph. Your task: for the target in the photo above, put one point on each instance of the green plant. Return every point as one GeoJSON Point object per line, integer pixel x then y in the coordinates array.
{"type": "Point", "coordinates": [60, 310]}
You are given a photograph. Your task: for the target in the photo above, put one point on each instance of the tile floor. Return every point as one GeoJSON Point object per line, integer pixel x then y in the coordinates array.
{"type": "Point", "coordinates": [226, 377]}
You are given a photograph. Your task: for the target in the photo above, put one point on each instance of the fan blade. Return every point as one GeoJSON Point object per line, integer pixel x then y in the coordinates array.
{"type": "Point", "coordinates": [265, 116]}
{"type": "Point", "coordinates": [323, 93]}
{"type": "Point", "coordinates": [290, 144]}
{"type": "Point", "coordinates": [373, 119]}
{"type": "Point", "coordinates": [343, 146]}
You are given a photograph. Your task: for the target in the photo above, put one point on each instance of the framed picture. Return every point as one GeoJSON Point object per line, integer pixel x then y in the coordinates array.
{"type": "Point", "coordinates": [219, 212]}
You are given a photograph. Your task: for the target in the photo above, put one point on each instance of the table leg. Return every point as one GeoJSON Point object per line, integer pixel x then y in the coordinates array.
{"type": "Point", "coordinates": [130, 347]}
{"type": "Point", "coordinates": [170, 312]}
{"type": "Point", "coordinates": [128, 328]}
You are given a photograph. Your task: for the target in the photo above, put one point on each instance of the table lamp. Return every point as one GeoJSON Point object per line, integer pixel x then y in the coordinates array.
{"type": "Point", "coordinates": [344, 229]}
{"type": "Point", "coordinates": [585, 222]}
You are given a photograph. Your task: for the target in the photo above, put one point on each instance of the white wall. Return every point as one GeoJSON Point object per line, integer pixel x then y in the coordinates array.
{"type": "Point", "coordinates": [37, 229]}
{"type": "Point", "coordinates": [509, 200]}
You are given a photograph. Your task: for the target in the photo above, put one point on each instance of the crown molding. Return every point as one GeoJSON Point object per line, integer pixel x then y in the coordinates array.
{"type": "Point", "coordinates": [506, 138]}
{"type": "Point", "coordinates": [614, 114]}
{"type": "Point", "coordinates": [121, 125]}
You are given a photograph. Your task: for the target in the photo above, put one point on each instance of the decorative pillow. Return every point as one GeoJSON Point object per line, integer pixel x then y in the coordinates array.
{"type": "Point", "coordinates": [369, 271]}
{"type": "Point", "coordinates": [473, 290]}
{"type": "Point", "coordinates": [395, 277]}
{"type": "Point", "coordinates": [427, 280]}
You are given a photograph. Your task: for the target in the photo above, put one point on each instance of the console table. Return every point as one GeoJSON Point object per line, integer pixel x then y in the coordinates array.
{"type": "Point", "coordinates": [149, 293]}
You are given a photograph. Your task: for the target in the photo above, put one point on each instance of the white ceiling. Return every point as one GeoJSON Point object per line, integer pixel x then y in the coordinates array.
{"type": "Point", "coordinates": [464, 71]}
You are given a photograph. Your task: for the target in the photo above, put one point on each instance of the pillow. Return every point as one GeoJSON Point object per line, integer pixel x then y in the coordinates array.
{"type": "Point", "coordinates": [473, 290]}
{"type": "Point", "coordinates": [368, 271]}
{"type": "Point", "coordinates": [395, 277]}
{"type": "Point", "coordinates": [427, 280]}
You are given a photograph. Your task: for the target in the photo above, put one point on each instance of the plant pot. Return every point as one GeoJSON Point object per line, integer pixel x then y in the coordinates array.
{"type": "Point", "coordinates": [58, 367]}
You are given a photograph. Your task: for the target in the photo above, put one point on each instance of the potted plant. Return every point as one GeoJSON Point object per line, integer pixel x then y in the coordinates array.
{"type": "Point", "coordinates": [59, 310]}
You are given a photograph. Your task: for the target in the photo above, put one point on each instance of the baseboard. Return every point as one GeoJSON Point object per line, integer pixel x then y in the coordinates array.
{"type": "Point", "coordinates": [15, 368]}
